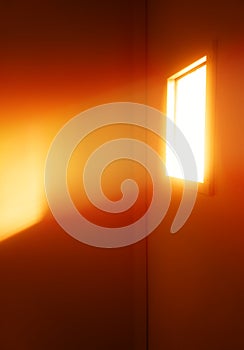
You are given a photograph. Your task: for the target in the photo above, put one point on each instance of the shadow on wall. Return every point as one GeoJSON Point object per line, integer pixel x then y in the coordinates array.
{"type": "Point", "coordinates": [57, 293]}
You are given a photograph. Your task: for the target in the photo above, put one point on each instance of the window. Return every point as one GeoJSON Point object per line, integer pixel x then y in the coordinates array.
{"type": "Point", "coordinates": [186, 107]}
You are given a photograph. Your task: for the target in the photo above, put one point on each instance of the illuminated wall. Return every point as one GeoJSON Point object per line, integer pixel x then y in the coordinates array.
{"type": "Point", "coordinates": [54, 66]}
{"type": "Point", "coordinates": [57, 59]}
{"type": "Point", "coordinates": [195, 283]}
{"type": "Point", "coordinates": [22, 203]}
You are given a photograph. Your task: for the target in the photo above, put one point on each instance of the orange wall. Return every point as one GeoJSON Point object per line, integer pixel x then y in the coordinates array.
{"type": "Point", "coordinates": [196, 276]}
{"type": "Point", "coordinates": [58, 59]}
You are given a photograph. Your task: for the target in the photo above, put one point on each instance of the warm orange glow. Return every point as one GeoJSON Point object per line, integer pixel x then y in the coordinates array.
{"type": "Point", "coordinates": [21, 180]}
{"type": "Point", "coordinates": [112, 177]}
{"type": "Point", "coordinates": [186, 106]}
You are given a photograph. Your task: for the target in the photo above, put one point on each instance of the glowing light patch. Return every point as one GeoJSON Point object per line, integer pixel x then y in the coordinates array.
{"type": "Point", "coordinates": [186, 106]}
{"type": "Point", "coordinates": [21, 193]}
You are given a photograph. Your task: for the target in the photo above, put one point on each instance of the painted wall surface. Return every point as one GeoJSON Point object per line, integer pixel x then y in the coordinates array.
{"type": "Point", "coordinates": [196, 290]}
{"type": "Point", "coordinates": [58, 59]}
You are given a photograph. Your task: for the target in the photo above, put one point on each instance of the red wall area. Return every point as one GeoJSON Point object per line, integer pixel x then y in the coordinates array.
{"type": "Point", "coordinates": [196, 276]}
{"type": "Point", "coordinates": [57, 59]}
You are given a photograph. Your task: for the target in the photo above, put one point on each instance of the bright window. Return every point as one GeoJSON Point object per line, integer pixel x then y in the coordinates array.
{"type": "Point", "coordinates": [186, 107]}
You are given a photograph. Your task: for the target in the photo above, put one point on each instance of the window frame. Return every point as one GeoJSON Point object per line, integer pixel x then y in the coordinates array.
{"type": "Point", "coordinates": [208, 58]}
